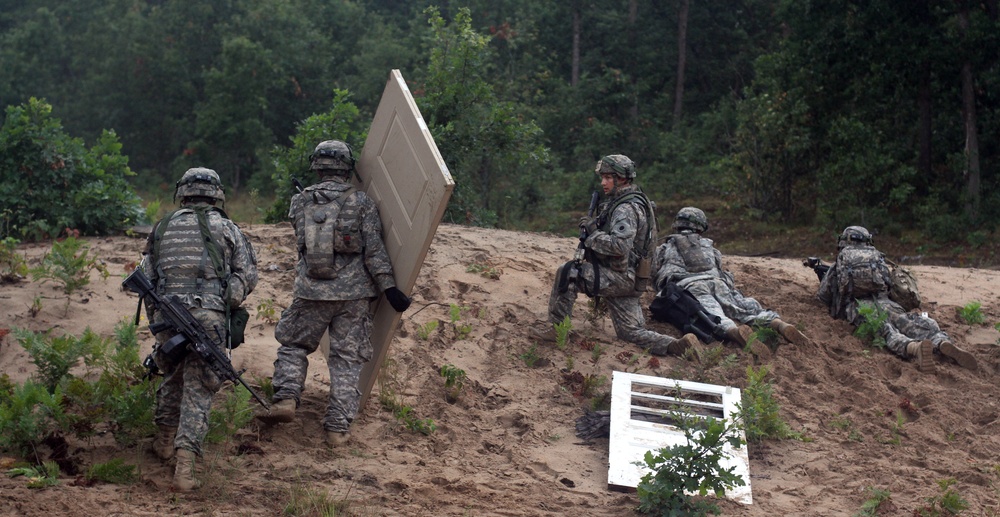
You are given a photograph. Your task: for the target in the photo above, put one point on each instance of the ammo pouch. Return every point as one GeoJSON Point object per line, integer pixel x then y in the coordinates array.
{"type": "Point", "coordinates": [642, 273]}
{"type": "Point", "coordinates": [347, 232]}
{"type": "Point", "coordinates": [238, 319]}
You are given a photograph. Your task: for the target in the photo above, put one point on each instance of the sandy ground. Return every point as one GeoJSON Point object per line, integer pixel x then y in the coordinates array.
{"type": "Point", "coordinates": [507, 447]}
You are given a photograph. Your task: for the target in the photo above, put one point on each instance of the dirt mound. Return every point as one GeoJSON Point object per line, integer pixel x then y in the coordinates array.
{"type": "Point", "coordinates": [507, 446]}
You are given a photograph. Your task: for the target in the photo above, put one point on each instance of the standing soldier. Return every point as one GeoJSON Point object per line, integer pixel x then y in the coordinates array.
{"type": "Point", "coordinates": [198, 255]}
{"type": "Point", "coordinates": [618, 242]}
{"type": "Point", "coordinates": [343, 266]}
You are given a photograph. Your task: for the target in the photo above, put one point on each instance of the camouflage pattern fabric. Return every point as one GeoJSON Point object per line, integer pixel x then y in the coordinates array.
{"type": "Point", "coordinates": [359, 276]}
{"type": "Point", "coordinates": [299, 331]}
{"type": "Point", "coordinates": [612, 248]}
{"type": "Point", "coordinates": [714, 288]}
{"type": "Point", "coordinates": [899, 329]}
{"type": "Point", "coordinates": [184, 398]}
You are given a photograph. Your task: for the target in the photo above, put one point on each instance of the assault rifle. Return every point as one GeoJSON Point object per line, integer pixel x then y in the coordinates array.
{"type": "Point", "coordinates": [191, 335]}
{"type": "Point", "coordinates": [581, 250]}
{"type": "Point", "coordinates": [817, 265]}
{"type": "Point", "coordinates": [674, 305]}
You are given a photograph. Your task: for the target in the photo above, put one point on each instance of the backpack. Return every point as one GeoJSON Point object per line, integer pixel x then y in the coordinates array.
{"type": "Point", "coordinates": [697, 258]}
{"type": "Point", "coordinates": [674, 305]}
{"type": "Point", "coordinates": [903, 289]}
{"type": "Point", "coordinates": [862, 271]}
{"type": "Point", "coordinates": [329, 228]}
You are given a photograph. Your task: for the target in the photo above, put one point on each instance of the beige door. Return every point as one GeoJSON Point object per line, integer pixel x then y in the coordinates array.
{"type": "Point", "coordinates": [402, 170]}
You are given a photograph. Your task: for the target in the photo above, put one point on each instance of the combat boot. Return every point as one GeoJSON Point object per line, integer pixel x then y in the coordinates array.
{"type": "Point", "coordinates": [281, 411]}
{"type": "Point", "coordinates": [163, 444]}
{"type": "Point", "coordinates": [337, 438]}
{"type": "Point", "coordinates": [922, 353]}
{"type": "Point", "coordinates": [789, 332]}
{"type": "Point", "coordinates": [679, 346]}
{"type": "Point", "coordinates": [184, 480]}
{"type": "Point", "coordinates": [740, 335]}
{"type": "Point", "coordinates": [963, 358]}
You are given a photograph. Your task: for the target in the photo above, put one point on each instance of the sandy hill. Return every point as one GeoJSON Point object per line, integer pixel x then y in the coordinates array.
{"type": "Point", "coordinates": [507, 447]}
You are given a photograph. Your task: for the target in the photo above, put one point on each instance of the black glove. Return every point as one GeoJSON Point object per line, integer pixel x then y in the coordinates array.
{"type": "Point", "coordinates": [588, 225]}
{"type": "Point", "coordinates": [399, 301]}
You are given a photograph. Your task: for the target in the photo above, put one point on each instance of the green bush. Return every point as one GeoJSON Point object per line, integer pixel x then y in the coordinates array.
{"type": "Point", "coordinates": [51, 181]}
{"type": "Point", "coordinates": [759, 412]}
{"type": "Point", "coordinates": [234, 415]}
{"type": "Point", "coordinates": [39, 476]}
{"type": "Point", "coordinates": [692, 468]}
{"type": "Point", "coordinates": [972, 313]}
{"type": "Point", "coordinates": [54, 356]}
{"type": "Point", "coordinates": [12, 266]}
{"type": "Point", "coordinates": [28, 417]}
{"type": "Point", "coordinates": [67, 263]}
{"type": "Point", "coordinates": [115, 471]}
{"type": "Point", "coordinates": [869, 330]}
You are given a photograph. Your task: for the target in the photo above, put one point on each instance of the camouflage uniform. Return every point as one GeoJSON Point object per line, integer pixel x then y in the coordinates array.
{"type": "Point", "coordinates": [899, 329]}
{"type": "Point", "coordinates": [714, 288]}
{"type": "Point", "coordinates": [340, 304]}
{"type": "Point", "coordinates": [613, 249]}
{"type": "Point", "coordinates": [180, 266]}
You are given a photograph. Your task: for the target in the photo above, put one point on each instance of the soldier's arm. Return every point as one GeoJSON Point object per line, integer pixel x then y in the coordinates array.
{"type": "Point", "coordinates": [375, 255]}
{"type": "Point", "coordinates": [242, 264]}
{"type": "Point", "coordinates": [617, 242]}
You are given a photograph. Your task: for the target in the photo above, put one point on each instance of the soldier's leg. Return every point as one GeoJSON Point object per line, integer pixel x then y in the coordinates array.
{"type": "Point", "coordinates": [564, 289]}
{"type": "Point", "coordinates": [895, 340]}
{"type": "Point", "coordinates": [704, 291]}
{"type": "Point", "coordinates": [200, 385]}
{"type": "Point", "coordinates": [350, 349]}
{"type": "Point", "coordinates": [918, 326]}
{"type": "Point", "coordinates": [298, 331]}
{"type": "Point", "coordinates": [168, 394]}
{"type": "Point", "coordinates": [626, 315]}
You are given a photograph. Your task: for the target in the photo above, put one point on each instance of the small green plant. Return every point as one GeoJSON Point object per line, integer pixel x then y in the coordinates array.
{"type": "Point", "coordinates": [152, 210]}
{"type": "Point", "coordinates": [484, 269]}
{"type": "Point", "coordinates": [234, 415]}
{"type": "Point", "coordinates": [463, 330]}
{"type": "Point", "coordinates": [12, 266]}
{"type": "Point", "coordinates": [763, 332]}
{"type": "Point", "coordinates": [947, 503]}
{"type": "Point", "coordinates": [267, 312]}
{"type": "Point", "coordinates": [115, 471]}
{"type": "Point", "coordinates": [36, 306]}
{"type": "Point", "coordinates": [692, 468]}
{"type": "Point", "coordinates": [29, 416]}
{"type": "Point", "coordinates": [759, 412]}
{"type": "Point", "coordinates": [424, 331]}
{"type": "Point", "coordinates": [530, 356]}
{"type": "Point", "coordinates": [972, 313]}
{"type": "Point", "coordinates": [54, 356]}
{"type": "Point", "coordinates": [570, 362]}
{"type": "Point", "coordinates": [454, 381]}
{"type": "Point", "coordinates": [266, 385]}
{"type": "Point", "coordinates": [876, 498]}
{"type": "Point", "coordinates": [67, 263]}
{"type": "Point", "coordinates": [869, 330]}
{"type": "Point", "coordinates": [304, 500]}
{"type": "Point", "coordinates": [455, 312]}
{"type": "Point", "coordinates": [596, 353]}
{"type": "Point", "coordinates": [408, 417]}
{"type": "Point", "coordinates": [562, 332]}
{"type": "Point", "coordinates": [40, 476]}
{"type": "Point", "coordinates": [591, 383]}
{"type": "Point", "coordinates": [389, 398]}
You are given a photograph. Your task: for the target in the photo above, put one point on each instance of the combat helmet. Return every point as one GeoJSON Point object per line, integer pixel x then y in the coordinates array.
{"type": "Point", "coordinates": [617, 164]}
{"type": "Point", "coordinates": [690, 218]}
{"type": "Point", "coordinates": [332, 155]}
{"type": "Point", "coordinates": [854, 236]}
{"type": "Point", "coordinates": [200, 182]}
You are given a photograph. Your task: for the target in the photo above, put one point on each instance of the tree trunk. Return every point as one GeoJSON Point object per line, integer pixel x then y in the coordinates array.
{"type": "Point", "coordinates": [682, 22]}
{"type": "Point", "coordinates": [575, 73]}
{"type": "Point", "coordinates": [633, 13]}
{"type": "Point", "coordinates": [972, 170]}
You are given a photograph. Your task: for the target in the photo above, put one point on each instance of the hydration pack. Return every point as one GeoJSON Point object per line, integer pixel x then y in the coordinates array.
{"type": "Point", "coordinates": [697, 258]}
{"type": "Point", "coordinates": [862, 271]}
{"type": "Point", "coordinates": [331, 226]}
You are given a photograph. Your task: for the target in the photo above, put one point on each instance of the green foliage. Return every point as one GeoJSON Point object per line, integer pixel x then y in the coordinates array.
{"type": "Point", "coordinates": [54, 356]}
{"type": "Point", "coordinates": [765, 334]}
{"type": "Point", "coordinates": [876, 497]}
{"type": "Point", "coordinates": [692, 468]}
{"type": "Point", "coordinates": [484, 269]}
{"type": "Point", "coordinates": [759, 412]}
{"type": "Point", "coordinates": [28, 417]}
{"type": "Point", "coordinates": [39, 476]}
{"type": "Point", "coordinates": [114, 471]}
{"type": "Point", "coordinates": [67, 263]}
{"type": "Point", "coordinates": [51, 181]}
{"type": "Point", "coordinates": [408, 417]}
{"type": "Point", "coordinates": [454, 381]}
{"type": "Point", "coordinates": [562, 332]}
{"type": "Point", "coordinates": [12, 266]}
{"type": "Point", "coordinates": [341, 122]}
{"type": "Point", "coordinates": [530, 356]}
{"type": "Point", "coordinates": [266, 311]}
{"type": "Point", "coordinates": [947, 503]}
{"type": "Point", "coordinates": [869, 330]}
{"type": "Point", "coordinates": [424, 331]}
{"type": "Point", "coordinates": [972, 313]}
{"type": "Point", "coordinates": [462, 330]}
{"type": "Point", "coordinates": [234, 415]}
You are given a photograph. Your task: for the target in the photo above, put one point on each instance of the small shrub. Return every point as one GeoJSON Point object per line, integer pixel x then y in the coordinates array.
{"type": "Point", "coordinates": [36, 307]}
{"type": "Point", "coordinates": [972, 313]}
{"type": "Point", "coordinates": [562, 332]}
{"type": "Point", "coordinates": [54, 356]}
{"type": "Point", "coordinates": [869, 330]}
{"type": "Point", "coordinates": [234, 415]}
{"type": "Point", "coordinates": [876, 499]}
{"type": "Point", "coordinates": [424, 331]}
{"type": "Point", "coordinates": [591, 383]}
{"type": "Point", "coordinates": [759, 412]}
{"type": "Point", "coordinates": [530, 356]}
{"type": "Point", "coordinates": [407, 416]}
{"type": "Point", "coordinates": [12, 266]}
{"type": "Point", "coordinates": [947, 503]}
{"type": "Point", "coordinates": [484, 269]}
{"type": "Point", "coordinates": [115, 471]}
{"type": "Point", "coordinates": [454, 381]}
{"type": "Point", "coordinates": [67, 263]}
{"type": "Point", "coordinates": [30, 416]}
{"type": "Point", "coordinates": [695, 467]}
{"type": "Point", "coordinates": [40, 476]}
{"type": "Point", "coordinates": [266, 311]}
{"type": "Point", "coordinates": [765, 334]}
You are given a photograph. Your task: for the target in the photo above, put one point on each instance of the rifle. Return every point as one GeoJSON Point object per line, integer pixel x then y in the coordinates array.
{"type": "Point", "coordinates": [817, 265]}
{"type": "Point", "coordinates": [674, 305]}
{"type": "Point", "coordinates": [581, 249]}
{"type": "Point", "coordinates": [191, 334]}
{"type": "Point", "coordinates": [298, 185]}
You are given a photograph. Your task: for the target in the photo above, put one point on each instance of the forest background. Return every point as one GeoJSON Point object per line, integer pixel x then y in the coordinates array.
{"type": "Point", "coordinates": [781, 118]}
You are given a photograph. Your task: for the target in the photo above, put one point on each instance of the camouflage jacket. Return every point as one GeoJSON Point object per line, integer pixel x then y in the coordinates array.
{"type": "Point", "coordinates": [621, 234]}
{"type": "Point", "coordinates": [183, 267]}
{"type": "Point", "coordinates": [669, 262]}
{"type": "Point", "coordinates": [359, 275]}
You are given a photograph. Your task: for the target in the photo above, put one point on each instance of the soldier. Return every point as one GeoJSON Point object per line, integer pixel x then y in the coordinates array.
{"type": "Point", "coordinates": [197, 254]}
{"type": "Point", "coordinates": [343, 266]}
{"type": "Point", "coordinates": [618, 242]}
{"type": "Point", "coordinates": [693, 262]}
{"type": "Point", "coordinates": [860, 275]}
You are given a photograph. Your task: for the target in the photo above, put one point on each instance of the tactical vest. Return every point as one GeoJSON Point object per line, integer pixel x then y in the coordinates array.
{"type": "Point", "coordinates": [862, 271]}
{"type": "Point", "coordinates": [187, 255]}
{"type": "Point", "coordinates": [331, 225]}
{"type": "Point", "coordinates": [639, 258]}
{"type": "Point", "coordinates": [697, 258]}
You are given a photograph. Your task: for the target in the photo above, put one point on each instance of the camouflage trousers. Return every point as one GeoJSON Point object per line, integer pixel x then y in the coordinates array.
{"type": "Point", "coordinates": [727, 303]}
{"type": "Point", "coordinates": [299, 331]}
{"type": "Point", "coordinates": [901, 327]}
{"type": "Point", "coordinates": [184, 398]}
{"type": "Point", "coordinates": [621, 298]}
